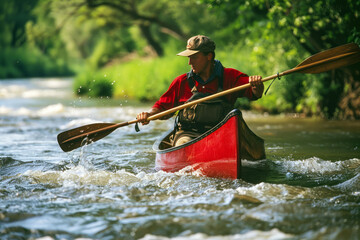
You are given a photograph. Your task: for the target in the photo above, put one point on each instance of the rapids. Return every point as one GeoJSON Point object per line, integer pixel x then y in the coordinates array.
{"type": "Point", "coordinates": [307, 188]}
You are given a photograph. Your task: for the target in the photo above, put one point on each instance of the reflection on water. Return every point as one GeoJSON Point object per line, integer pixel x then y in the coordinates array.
{"type": "Point", "coordinates": [307, 188]}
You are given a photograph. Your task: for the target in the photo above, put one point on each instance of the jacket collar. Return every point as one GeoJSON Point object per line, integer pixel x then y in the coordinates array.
{"type": "Point", "coordinates": [218, 72]}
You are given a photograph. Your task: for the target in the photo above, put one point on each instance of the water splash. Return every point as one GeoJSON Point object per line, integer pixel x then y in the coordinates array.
{"type": "Point", "coordinates": [80, 176]}
{"type": "Point", "coordinates": [267, 192]}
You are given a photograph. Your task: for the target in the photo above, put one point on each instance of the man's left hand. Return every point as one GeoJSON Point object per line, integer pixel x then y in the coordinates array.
{"type": "Point", "coordinates": [257, 85]}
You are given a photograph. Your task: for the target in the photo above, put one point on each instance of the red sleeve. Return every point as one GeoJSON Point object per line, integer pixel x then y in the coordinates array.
{"type": "Point", "coordinates": [234, 78]}
{"type": "Point", "coordinates": [178, 92]}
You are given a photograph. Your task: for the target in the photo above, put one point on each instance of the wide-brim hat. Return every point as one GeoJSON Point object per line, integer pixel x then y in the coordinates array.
{"type": "Point", "coordinates": [197, 44]}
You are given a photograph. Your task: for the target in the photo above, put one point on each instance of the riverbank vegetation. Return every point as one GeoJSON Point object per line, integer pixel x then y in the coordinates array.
{"type": "Point", "coordinates": [126, 48]}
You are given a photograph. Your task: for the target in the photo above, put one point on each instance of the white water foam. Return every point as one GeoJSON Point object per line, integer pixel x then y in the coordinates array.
{"type": "Point", "coordinates": [352, 185]}
{"type": "Point", "coordinates": [273, 234]}
{"type": "Point", "coordinates": [5, 111]}
{"type": "Point", "coordinates": [35, 88]}
{"type": "Point", "coordinates": [50, 110]}
{"type": "Point", "coordinates": [191, 170]}
{"type": "Point", "coordinates": [11, 91]}
{"type": "Point", "coordinates": [316, 165]}
{"type": "Point", "coordinates": [267, 192]}
{"type": "Point", "coordinates": [79, 176]}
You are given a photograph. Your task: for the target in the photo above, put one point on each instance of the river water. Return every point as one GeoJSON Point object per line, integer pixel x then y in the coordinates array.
{"type": "Point", "coordinates": [307, 188]}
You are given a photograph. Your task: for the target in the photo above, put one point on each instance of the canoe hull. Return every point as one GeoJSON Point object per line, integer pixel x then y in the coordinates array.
{"type": "Point", "coordinates": [216, 153]}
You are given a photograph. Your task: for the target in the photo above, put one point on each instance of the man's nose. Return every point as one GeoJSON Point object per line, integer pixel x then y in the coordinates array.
{"type": "Point", "coordinates": [190, 61]}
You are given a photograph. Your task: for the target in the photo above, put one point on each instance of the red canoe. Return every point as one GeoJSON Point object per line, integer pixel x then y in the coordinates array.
{"type": "Point", "coordinates": [216, 153]}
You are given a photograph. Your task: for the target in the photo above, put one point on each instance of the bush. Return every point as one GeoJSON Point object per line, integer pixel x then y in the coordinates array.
{"type": "Point", "coordinates": [93, 85]}
{"type": "Point", "coordinates": [29, 62]}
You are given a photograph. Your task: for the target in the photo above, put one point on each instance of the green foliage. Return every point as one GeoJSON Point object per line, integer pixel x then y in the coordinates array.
{"type": "Point", "coordinates": [20, 54]}
{"type": "Point", "coordinates": [317, 25]}
{"type": "Point", "coordinates": [355, 35]}
{"type": "Point", "coordinates": [282, 33]}
{"type": "Point", "coordinates": [94, 84]}
{"type": "Point", "coordinates": [29, 62]}
{"type": "Point", "coordinates": [13, 16]}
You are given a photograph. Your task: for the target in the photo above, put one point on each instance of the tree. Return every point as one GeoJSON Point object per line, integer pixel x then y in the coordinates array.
{"type": "Point", "coordinates": [14, 15]}
{"type": "Point", "coordinates": [134, 12]}
{"type": "Point", "coordinates": [306, 26]}
{"type": "Point", "coordinates": [321, 25]}
{"type": "Point", "coordinates": [157, 20]}
{"type": "Point", "coordinates": [84, 25]}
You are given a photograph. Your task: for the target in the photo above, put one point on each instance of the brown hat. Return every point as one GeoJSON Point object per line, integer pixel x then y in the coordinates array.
{"type": "Point", "coordinates": [197, 44]}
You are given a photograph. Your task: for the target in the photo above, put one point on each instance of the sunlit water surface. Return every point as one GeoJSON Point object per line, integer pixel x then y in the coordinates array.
{"type": "Point", "coordinates": [307, 188]}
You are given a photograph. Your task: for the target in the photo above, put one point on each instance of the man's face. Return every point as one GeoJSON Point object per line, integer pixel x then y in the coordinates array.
{"type": "Point", "coordinates": [199, 62]}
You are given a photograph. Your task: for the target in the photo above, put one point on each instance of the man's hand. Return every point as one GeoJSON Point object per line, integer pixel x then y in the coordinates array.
{"type": "Point", "coordinates": [143, 116]}
{"type": "Point", "coordinates": [257, 85]}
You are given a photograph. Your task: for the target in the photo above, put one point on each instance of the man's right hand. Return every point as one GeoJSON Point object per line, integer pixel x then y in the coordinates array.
{"type": "Point", "coordinates": [143, 116]}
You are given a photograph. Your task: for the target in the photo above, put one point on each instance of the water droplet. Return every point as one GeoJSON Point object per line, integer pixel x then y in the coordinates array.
{"type": "Point", "coordinates": [289, 175]}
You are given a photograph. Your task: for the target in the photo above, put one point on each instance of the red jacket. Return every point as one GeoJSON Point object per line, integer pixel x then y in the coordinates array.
{"type": "Point", "coordinates": [179, 91]}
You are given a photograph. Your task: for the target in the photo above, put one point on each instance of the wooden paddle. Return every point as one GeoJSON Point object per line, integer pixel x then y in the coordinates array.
{"type": "Point", "coordinates": [324, 61]}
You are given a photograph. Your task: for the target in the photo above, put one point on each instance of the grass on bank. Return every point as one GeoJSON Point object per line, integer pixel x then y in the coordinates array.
{"type": "Point", "coordinates": [144, 80]}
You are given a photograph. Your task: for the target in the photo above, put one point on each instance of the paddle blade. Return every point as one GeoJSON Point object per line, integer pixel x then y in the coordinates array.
{"type": "Point", "coordinates": [77, 137]}
{"type": "Point", "coordinates": [331, 59]}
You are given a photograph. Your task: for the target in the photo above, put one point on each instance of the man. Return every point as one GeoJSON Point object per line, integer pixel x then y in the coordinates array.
{"type": "Point", "coordinates": [207, 76]}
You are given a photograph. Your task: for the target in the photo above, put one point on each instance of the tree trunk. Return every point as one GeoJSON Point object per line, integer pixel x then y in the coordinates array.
{"type": "Point", "coordinates": [146, 32]}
